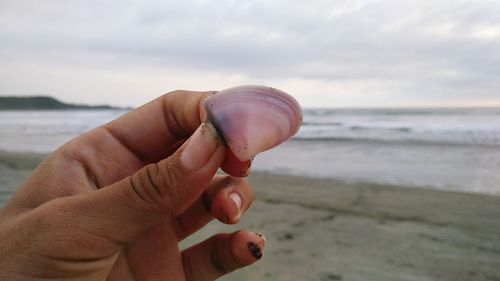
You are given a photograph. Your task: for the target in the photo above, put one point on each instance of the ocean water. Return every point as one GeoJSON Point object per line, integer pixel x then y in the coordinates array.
{"type": "Point", "coordinates": [44, 131]}
{"type": "Point", "coordinates": [449, 149]}
{"type": "Point", "coordinates": [438, 126]}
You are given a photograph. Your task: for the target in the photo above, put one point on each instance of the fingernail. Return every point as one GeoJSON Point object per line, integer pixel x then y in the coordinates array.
{"type": "Point", "coordinates": [200, 147]}
{"type": "Point", "coordinates": [255, 250]}
{"type": "Point", "coordinates": [236, 199]}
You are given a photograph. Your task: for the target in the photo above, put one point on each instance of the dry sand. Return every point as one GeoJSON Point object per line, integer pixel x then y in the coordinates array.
{"type": "Point", "coordinates": [321, 229]}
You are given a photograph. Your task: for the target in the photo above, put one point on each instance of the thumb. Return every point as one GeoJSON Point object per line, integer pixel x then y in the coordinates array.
{"type": "Point", "coordinates": [159, 191]}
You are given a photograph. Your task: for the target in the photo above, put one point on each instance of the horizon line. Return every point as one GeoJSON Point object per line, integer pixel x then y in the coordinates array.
{"type": "Point", "coordinates": [377, 106]}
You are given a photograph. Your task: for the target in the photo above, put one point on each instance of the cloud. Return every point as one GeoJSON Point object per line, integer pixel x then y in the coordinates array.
{"type": "Point", "coordinates": [353, 52]}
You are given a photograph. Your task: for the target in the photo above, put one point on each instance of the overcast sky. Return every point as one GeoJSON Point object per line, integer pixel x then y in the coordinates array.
{"type": "Point", "coordinates": [353, 53]}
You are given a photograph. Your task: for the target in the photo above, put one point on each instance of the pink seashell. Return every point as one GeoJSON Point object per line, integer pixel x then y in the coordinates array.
{"type": "Point", "coordinates": [253, 119]}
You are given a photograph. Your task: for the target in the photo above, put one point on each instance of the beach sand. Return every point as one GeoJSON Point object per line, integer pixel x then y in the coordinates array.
{"type": "Point", "coordinates": [322, 229]}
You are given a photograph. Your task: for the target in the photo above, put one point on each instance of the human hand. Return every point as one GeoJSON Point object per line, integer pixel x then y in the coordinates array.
{"type": "Point", "coordinates": [114, 203]}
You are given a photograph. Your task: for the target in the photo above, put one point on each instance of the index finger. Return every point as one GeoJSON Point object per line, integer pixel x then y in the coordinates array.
{"type": "Point", "coordinates": [156, 129]}
{"type": "Point", "coordinates": [145, 135]}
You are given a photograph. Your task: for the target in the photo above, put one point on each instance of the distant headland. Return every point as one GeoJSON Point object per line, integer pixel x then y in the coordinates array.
{"type": "Point", "coordinates": [44, 103]}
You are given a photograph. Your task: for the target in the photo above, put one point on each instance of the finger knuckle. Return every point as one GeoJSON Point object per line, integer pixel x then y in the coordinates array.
{"type": "Point", "coordinates": [154, 186]}
{"type": "Point", "coordinates": [216, 259]}
{"type": "Point", "coordinates": [168, 175]}
{"type": "Point", "coordinates": [177, 93]}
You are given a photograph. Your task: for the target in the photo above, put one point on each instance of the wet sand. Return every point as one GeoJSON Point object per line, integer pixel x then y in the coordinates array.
{"type": "Point", "coordinates": [322, 229]}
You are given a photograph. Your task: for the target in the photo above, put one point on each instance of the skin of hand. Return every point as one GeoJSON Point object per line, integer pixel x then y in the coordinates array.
{"type": "Point", "coordinates": [114, 203]}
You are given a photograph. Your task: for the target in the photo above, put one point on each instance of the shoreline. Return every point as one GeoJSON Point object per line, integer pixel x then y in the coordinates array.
{"type": "Point", "coordinates": [28, 160]}
{"type": "Point", "coordinates": [325, 229]}
{"type": "Point", "coordinates": [461, 168]}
